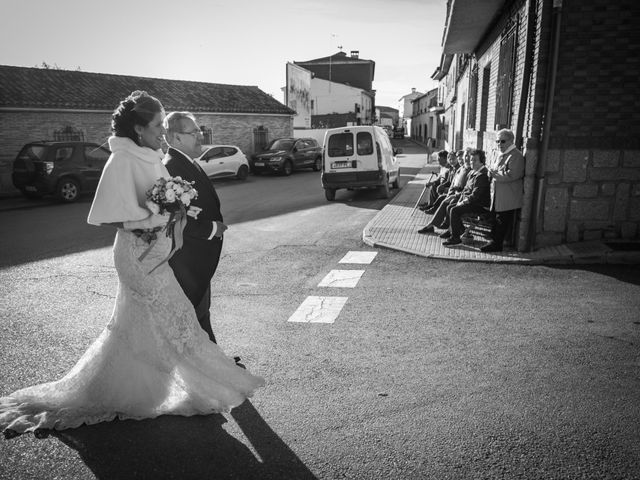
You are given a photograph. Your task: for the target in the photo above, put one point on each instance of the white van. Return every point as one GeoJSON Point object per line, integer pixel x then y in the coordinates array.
{"type": "Point", "coordinates": [358, 157]}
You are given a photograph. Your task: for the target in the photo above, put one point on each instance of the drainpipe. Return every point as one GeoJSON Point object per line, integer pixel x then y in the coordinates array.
{"type": "Point", "coordinates": [546, 129]}
{"type": "Point", "coordinates": [522, 108]}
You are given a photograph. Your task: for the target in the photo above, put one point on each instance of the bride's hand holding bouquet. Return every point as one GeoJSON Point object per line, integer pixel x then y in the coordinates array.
{"type": "Point", "coordinates": [171, 196]}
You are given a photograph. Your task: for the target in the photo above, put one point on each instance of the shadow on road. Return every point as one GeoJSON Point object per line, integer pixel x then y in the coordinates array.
{"type": "Point", "coordinates": [175, 447]}
{"type": "Point", "coordinates": [624, 273]}
{"type": "Point", "coordinates": [63, 229]}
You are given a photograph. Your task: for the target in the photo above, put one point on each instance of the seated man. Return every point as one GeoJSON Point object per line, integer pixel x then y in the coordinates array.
{"type": "Point", "coordinates": [475, 198]}
{"type": "Point", "coordinates": [439, 219]}
{"type": "Point", "coordinates": [442, 177]}
{"type": "Point", "coordinates": [455, 161]}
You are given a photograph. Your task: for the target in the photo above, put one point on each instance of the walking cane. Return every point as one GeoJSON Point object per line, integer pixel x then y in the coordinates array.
{"type": "Point", "coordinates": [426, 185]}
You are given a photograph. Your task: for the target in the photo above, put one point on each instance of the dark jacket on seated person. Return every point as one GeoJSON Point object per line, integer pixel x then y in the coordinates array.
{"type": "Point", "coordinates": [477, 190]}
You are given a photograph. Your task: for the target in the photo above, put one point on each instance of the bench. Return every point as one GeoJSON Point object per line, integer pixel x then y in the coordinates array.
{"type": "Point", "coordinates": [476, 225]}
{"type": "Point", "coordinates": [480, 225]}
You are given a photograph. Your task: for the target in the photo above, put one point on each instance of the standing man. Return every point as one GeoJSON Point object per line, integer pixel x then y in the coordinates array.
{"type": "Point", "coordinates": [506, 173]}
{"type": "Point", "coordinates": [475, 198]}
{"type": "Point", "coordinates": [196, 262]}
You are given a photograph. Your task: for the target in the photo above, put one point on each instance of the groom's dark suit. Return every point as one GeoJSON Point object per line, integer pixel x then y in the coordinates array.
{"type": "Point", "coordinates": [196, 262]}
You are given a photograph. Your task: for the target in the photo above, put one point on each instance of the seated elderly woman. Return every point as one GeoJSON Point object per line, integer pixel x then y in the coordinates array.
{"type": "Point", "coordinates": [443, 176]}
{"type": "Point", "coordinates": [439, 219]}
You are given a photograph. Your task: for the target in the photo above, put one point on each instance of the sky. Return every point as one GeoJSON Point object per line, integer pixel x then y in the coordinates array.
{"type": "Point", "coordinates": [239, 42]}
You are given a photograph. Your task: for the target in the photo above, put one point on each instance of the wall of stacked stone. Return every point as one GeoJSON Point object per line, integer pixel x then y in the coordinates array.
{"type": "Point", "coordinates": [591, 195]}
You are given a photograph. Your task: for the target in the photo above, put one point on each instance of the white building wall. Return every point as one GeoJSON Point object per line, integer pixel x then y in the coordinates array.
{"type": "Point", "coordinates": [330, 97]}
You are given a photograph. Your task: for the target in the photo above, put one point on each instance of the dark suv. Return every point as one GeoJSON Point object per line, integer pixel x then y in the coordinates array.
{"type": "Point", "coordinates": [284, 155]}
{"type": "Point", "coordinates": [65, 169]}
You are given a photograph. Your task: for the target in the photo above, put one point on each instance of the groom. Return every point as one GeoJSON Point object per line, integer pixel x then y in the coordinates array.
{"type": "Point", "coordinates": [196, 262]}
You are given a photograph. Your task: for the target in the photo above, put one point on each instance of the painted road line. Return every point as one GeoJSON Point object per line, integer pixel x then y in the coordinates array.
{"type": "Point", "coordinates": [358, 257]}
{"type": "Point", "coordinates": [319, 310]}
{"type": "Point", "coordinates": [341, 278]}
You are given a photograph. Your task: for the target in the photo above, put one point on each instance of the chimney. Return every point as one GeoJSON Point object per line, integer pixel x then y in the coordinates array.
{"type": "Point", "coordinates": [355, 53]}
{"type": "Point", "coordinates": [413, 90]}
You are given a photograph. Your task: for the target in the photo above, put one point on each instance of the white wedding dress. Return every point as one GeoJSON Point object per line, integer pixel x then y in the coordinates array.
{"type": "Point", "coordinates": [152, 358]}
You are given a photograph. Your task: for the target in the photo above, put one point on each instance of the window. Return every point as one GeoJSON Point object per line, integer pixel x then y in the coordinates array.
{"type": "Point", "coordinates": [96, 155]}
{"type": "Point", "coordinates": [365, 143]}
{"type": "Point", "coordinates": [207, 133]}
{"type": "Point", "coordinates": [229, 151]}
{"type": "Point", "coordinates": [33, 152]}
{"type": "Point", "coordinates": [212, 153]}
{"type": "Point", "coordinates": [281, 144]}
{"type": "Point", "coordinates": [484, 101]}
{"type": "Point", "coordinates": [506, 68]}
{"type": "Point", "coordinates": [473, 97]}
{"type": "Point", "coordinates": [63, 153]}
{"type": "Point", "coordinates": [340, 145]}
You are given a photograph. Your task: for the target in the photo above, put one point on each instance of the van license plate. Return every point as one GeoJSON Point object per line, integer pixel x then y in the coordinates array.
{"type": "Point", "coordinates": [30, 189]}
{"type": "Point", "coordinates": [340, 164]}
{"type": "Point", "coordinates": [259, 164]}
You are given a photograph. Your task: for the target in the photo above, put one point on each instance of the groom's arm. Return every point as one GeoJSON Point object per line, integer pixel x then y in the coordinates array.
{"type": "Point", "coordinates": [204, 229]}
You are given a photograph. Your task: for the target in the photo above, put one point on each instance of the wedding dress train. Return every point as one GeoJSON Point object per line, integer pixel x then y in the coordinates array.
{"type": "Point", "coordinates": [151, 359]}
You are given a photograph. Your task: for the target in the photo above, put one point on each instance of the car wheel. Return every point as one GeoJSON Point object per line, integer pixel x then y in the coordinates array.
{"type": "Point", "coordinates": [68, 190]}
{"type": "Point", "coordinates": [317, 166]}
{"type": "Point", "coordinates": [385, 190]}
{"type": "Point", "coordinates": [396, 182]}
{"type": "Point", "coordinates": [243, 172]}
{"type": "Point", "coordinates": [330, 194]}
{"type": "Point", "coordinates": [287, 168]}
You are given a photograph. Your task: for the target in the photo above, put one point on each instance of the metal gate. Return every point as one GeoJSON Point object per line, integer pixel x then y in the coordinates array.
{"type": "Point", "coordinates": [260, 138]}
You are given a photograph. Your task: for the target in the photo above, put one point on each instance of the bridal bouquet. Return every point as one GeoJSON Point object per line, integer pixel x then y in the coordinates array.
{"type": "Point", "coordinates": [170, 195]}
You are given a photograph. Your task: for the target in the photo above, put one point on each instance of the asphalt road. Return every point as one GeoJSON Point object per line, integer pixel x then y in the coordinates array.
{"type": "Point", "coordinates": [433, 369]}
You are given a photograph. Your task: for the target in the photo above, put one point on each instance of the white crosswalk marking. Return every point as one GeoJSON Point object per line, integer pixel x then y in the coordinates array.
{"type": "Point", "coordinates": [326, 309]}
{"type": "Point", "coordinates": [319, 310]}
{"type": "Point", "coordinates": [358, 257]}
{"type": "Point", "coordinates": [341, 278]}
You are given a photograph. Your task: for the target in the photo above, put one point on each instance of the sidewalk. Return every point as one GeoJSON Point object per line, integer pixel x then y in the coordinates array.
{"type": "Point", "coordinates": [395, 227]}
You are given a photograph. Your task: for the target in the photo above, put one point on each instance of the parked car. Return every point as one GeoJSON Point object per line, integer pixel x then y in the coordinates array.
{"type": "Point", "coordinates": [284, 155]}
{"type": "Point", "coordinates": [359, 157]}
{"type": "Point", "coordinates": [219, 161]}
{"type": "Point", "coordinates": [65, 169]}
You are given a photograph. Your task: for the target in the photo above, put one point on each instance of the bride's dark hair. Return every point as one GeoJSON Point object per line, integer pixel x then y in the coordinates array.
{"type": "Point", "coordinates": [139, 108]}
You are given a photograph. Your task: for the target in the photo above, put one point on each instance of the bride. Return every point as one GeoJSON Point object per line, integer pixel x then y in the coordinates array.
{"type": "Point", "coordinates": [152, 358]}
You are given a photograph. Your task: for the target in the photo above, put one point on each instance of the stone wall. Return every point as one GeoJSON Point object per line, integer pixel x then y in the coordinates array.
{"type": "Point", "coordinates": [591, 195]}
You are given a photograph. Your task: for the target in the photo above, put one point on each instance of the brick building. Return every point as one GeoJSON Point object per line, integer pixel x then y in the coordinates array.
{"type": "Point", "coordinates": [46, 104]}
{"type": "Point", "coordinates": [562, 74]}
